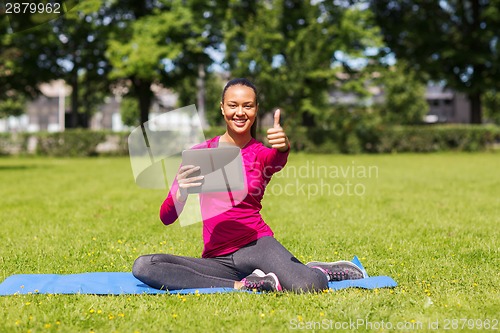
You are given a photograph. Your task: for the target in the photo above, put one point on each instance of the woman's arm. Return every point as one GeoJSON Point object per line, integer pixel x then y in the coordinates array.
{"type": "Point", "coordinates": [276, 135]}
{"type": "Point", "coordinates": [174, 203]}
{"type": "Point", "coordinates": [275, 159]}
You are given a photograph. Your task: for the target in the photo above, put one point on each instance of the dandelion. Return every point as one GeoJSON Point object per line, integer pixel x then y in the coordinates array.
{"type": "Point", "coordinates": [321, 314]}
{"type": "Point", "coordinates": [27, 303]}
{"type": "Point", "coordinates": [262, 315]}
{"type": "Point", "coordinates": [18, 322]}
{"type": "Point", "coordinates": [47, 325]}
{"type": "Point", "coordinates": [299, 317]}
{"type": "Point", "coordinates": [99, 311]}
{"type": "Point", "coordinates": [91, 310]}
{"type": "Point", "coordinates": [121, 315]}
{"type": "Point", "coordinates": [413, 321]}
{"type": "Point", "coordinates": [58, 322]}
{"type": "Point", "coordinates": [111, 316]}
{"type": "Point", "coordinates": [174, 315]}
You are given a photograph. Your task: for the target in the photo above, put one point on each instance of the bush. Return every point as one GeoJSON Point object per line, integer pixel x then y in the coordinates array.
{"type": "Point", "coordinates": [71, 143]}
{"type": "Point", "coordinates": [4, 143]}
{"type": "Point", "coordinates": [13, 143]}
{"type": "Point", "coordinates": [364, 137]}
{"type": "Point", "coordinates": [436, 138]}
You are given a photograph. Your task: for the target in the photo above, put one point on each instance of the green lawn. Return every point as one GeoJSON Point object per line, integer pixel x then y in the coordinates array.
{"type": "Point", "coordinates": [429, 221]}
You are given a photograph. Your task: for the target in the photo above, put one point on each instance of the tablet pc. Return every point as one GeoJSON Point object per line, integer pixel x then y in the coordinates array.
{"type": "Point", "coordinates": [222, 168]}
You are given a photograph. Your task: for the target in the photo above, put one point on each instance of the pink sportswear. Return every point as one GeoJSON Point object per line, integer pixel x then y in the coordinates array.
{"type": "Point", "coordinates": [234, 228]}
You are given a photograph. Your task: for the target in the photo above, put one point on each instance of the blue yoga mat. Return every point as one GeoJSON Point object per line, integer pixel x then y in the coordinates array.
{"type": "Point", "coordinates": [120, 283]}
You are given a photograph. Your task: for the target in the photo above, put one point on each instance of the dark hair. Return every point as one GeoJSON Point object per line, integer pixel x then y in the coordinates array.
{"type": "Point", "coordinates": [247, 83]}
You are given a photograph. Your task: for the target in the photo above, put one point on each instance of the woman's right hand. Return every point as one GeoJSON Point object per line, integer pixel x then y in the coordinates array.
{"type": "Point", "coordinates": [185, 181]}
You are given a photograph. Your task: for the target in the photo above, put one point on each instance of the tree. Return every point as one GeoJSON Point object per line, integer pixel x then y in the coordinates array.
{"type": "Point", "coordinates": [492, 106]}
{"type": "Point", "coordinates": [404, 96]}
{"type": "Point", "coordinates": [142, 45]}
{"type": "Point", "coordinates": [294, 50]}
{"type": "Point", "coordinates": [71, 47]}
{"type": "Point", "coordinates": [19, 55]}
{"type": "Point", "coordinates": [187, 91]}
{"type": "Point", "coordinates": [451, 40]}
{"type": "Point", "coordinates": [164, 42]}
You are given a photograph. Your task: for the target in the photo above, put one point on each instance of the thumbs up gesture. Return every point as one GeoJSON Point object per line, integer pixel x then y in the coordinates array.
{"type": "Point", "coordinates": [276, 135]}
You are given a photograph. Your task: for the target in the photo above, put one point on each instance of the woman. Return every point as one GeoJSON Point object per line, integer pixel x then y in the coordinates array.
{"type": "Point", "coordinates": [239, 248]}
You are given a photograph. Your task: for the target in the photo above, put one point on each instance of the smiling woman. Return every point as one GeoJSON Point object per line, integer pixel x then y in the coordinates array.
{"type": "Point", "coordinates": [240, 250]}
{"type": "Point", "coordinates": [239, 107]}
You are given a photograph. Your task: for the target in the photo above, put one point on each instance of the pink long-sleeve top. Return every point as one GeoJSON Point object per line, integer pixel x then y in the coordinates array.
{"type": "Point", "coordinates": [242, 223]}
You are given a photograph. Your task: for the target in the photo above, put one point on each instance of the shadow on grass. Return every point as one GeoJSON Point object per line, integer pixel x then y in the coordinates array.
{"type": "Point", "coordinates": [22, 167]}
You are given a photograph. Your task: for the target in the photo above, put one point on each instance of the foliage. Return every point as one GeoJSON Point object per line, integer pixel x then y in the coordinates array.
{"type": "Point", "coordinates": [491, 104]}
{"type": "Point", "coordinates": [70, 47]}
{"type": "Point", "coordinates": [13, 104]}
{"type": "Point", "coordinates": [405, 102]}
{"type": "Point", "coordinates": [187, 90]}
{"type": "Point", "coordinates": [294, 52]}
{"type": "Point", "coordinates": [437, 138]}
{"type": "Point", "coordinates": [451, 40]}
{"type": "Point", "coordinates": [69, 143]}
{"type": "Point", "coordinates": [129, 111]}
{"type": "Point", "coordinates": [357, 131]}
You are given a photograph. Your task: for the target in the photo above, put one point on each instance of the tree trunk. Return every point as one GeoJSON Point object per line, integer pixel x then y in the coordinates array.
{"type": "Point", "coordinates": [475, 108]}
{"type": "Point", "coordinates": [200, 95]}
{"type": "Point", "coordinates": [144, 95]}
{"type": "Point", "coordinates": [74, 98]}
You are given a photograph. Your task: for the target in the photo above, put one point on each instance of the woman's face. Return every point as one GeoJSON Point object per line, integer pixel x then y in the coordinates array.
{"type": "Point", "coordinates": [239, 108]}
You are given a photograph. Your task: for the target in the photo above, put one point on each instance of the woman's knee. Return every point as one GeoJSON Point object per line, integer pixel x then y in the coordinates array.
{"type": "Point", "coordinates": [141, 266]}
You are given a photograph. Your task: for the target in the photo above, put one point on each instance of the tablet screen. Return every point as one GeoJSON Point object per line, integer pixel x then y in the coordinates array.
{"type": "Point", "coordinates": [222, 168]}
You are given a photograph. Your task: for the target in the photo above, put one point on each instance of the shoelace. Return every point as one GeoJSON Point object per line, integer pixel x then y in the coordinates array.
{"type": "Point", "coordinates": [253, 285]}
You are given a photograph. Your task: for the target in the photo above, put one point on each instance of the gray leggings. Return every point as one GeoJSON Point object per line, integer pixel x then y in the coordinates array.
{"type": "Point", "coordinates": [166, 271]}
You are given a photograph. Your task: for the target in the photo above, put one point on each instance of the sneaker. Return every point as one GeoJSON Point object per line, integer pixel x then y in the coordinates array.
{"type": "Point", "coordinates": [339, 270]}
{"type": "Point", "coordinates": [259, 281]}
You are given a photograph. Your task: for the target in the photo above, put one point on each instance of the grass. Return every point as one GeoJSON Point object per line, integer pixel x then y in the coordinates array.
{"type": "Point", "coordinates": [429, 221]}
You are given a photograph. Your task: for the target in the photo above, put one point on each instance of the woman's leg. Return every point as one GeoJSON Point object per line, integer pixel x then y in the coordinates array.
{"type": "Point", "coordinates": [166, 271]}
{"type": "Point", "coordinates": [269, 255]}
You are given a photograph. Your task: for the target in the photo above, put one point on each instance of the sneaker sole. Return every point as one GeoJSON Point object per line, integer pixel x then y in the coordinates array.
{"type": "Point", "coordinates": [345, 262]}
{"type": "Point", "coordinates": [259, 273]}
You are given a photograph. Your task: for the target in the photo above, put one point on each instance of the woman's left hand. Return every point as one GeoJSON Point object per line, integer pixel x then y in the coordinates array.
{"type": "Point", "coordinates": [276, 135]}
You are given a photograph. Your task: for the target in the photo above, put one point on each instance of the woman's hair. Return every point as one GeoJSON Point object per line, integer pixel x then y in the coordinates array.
{"type": "Point", "coordinates": [249, 84]}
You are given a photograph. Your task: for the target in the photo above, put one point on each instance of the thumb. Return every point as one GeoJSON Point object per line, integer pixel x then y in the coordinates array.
{"type": "Point", "coordinates": [277, 118]}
